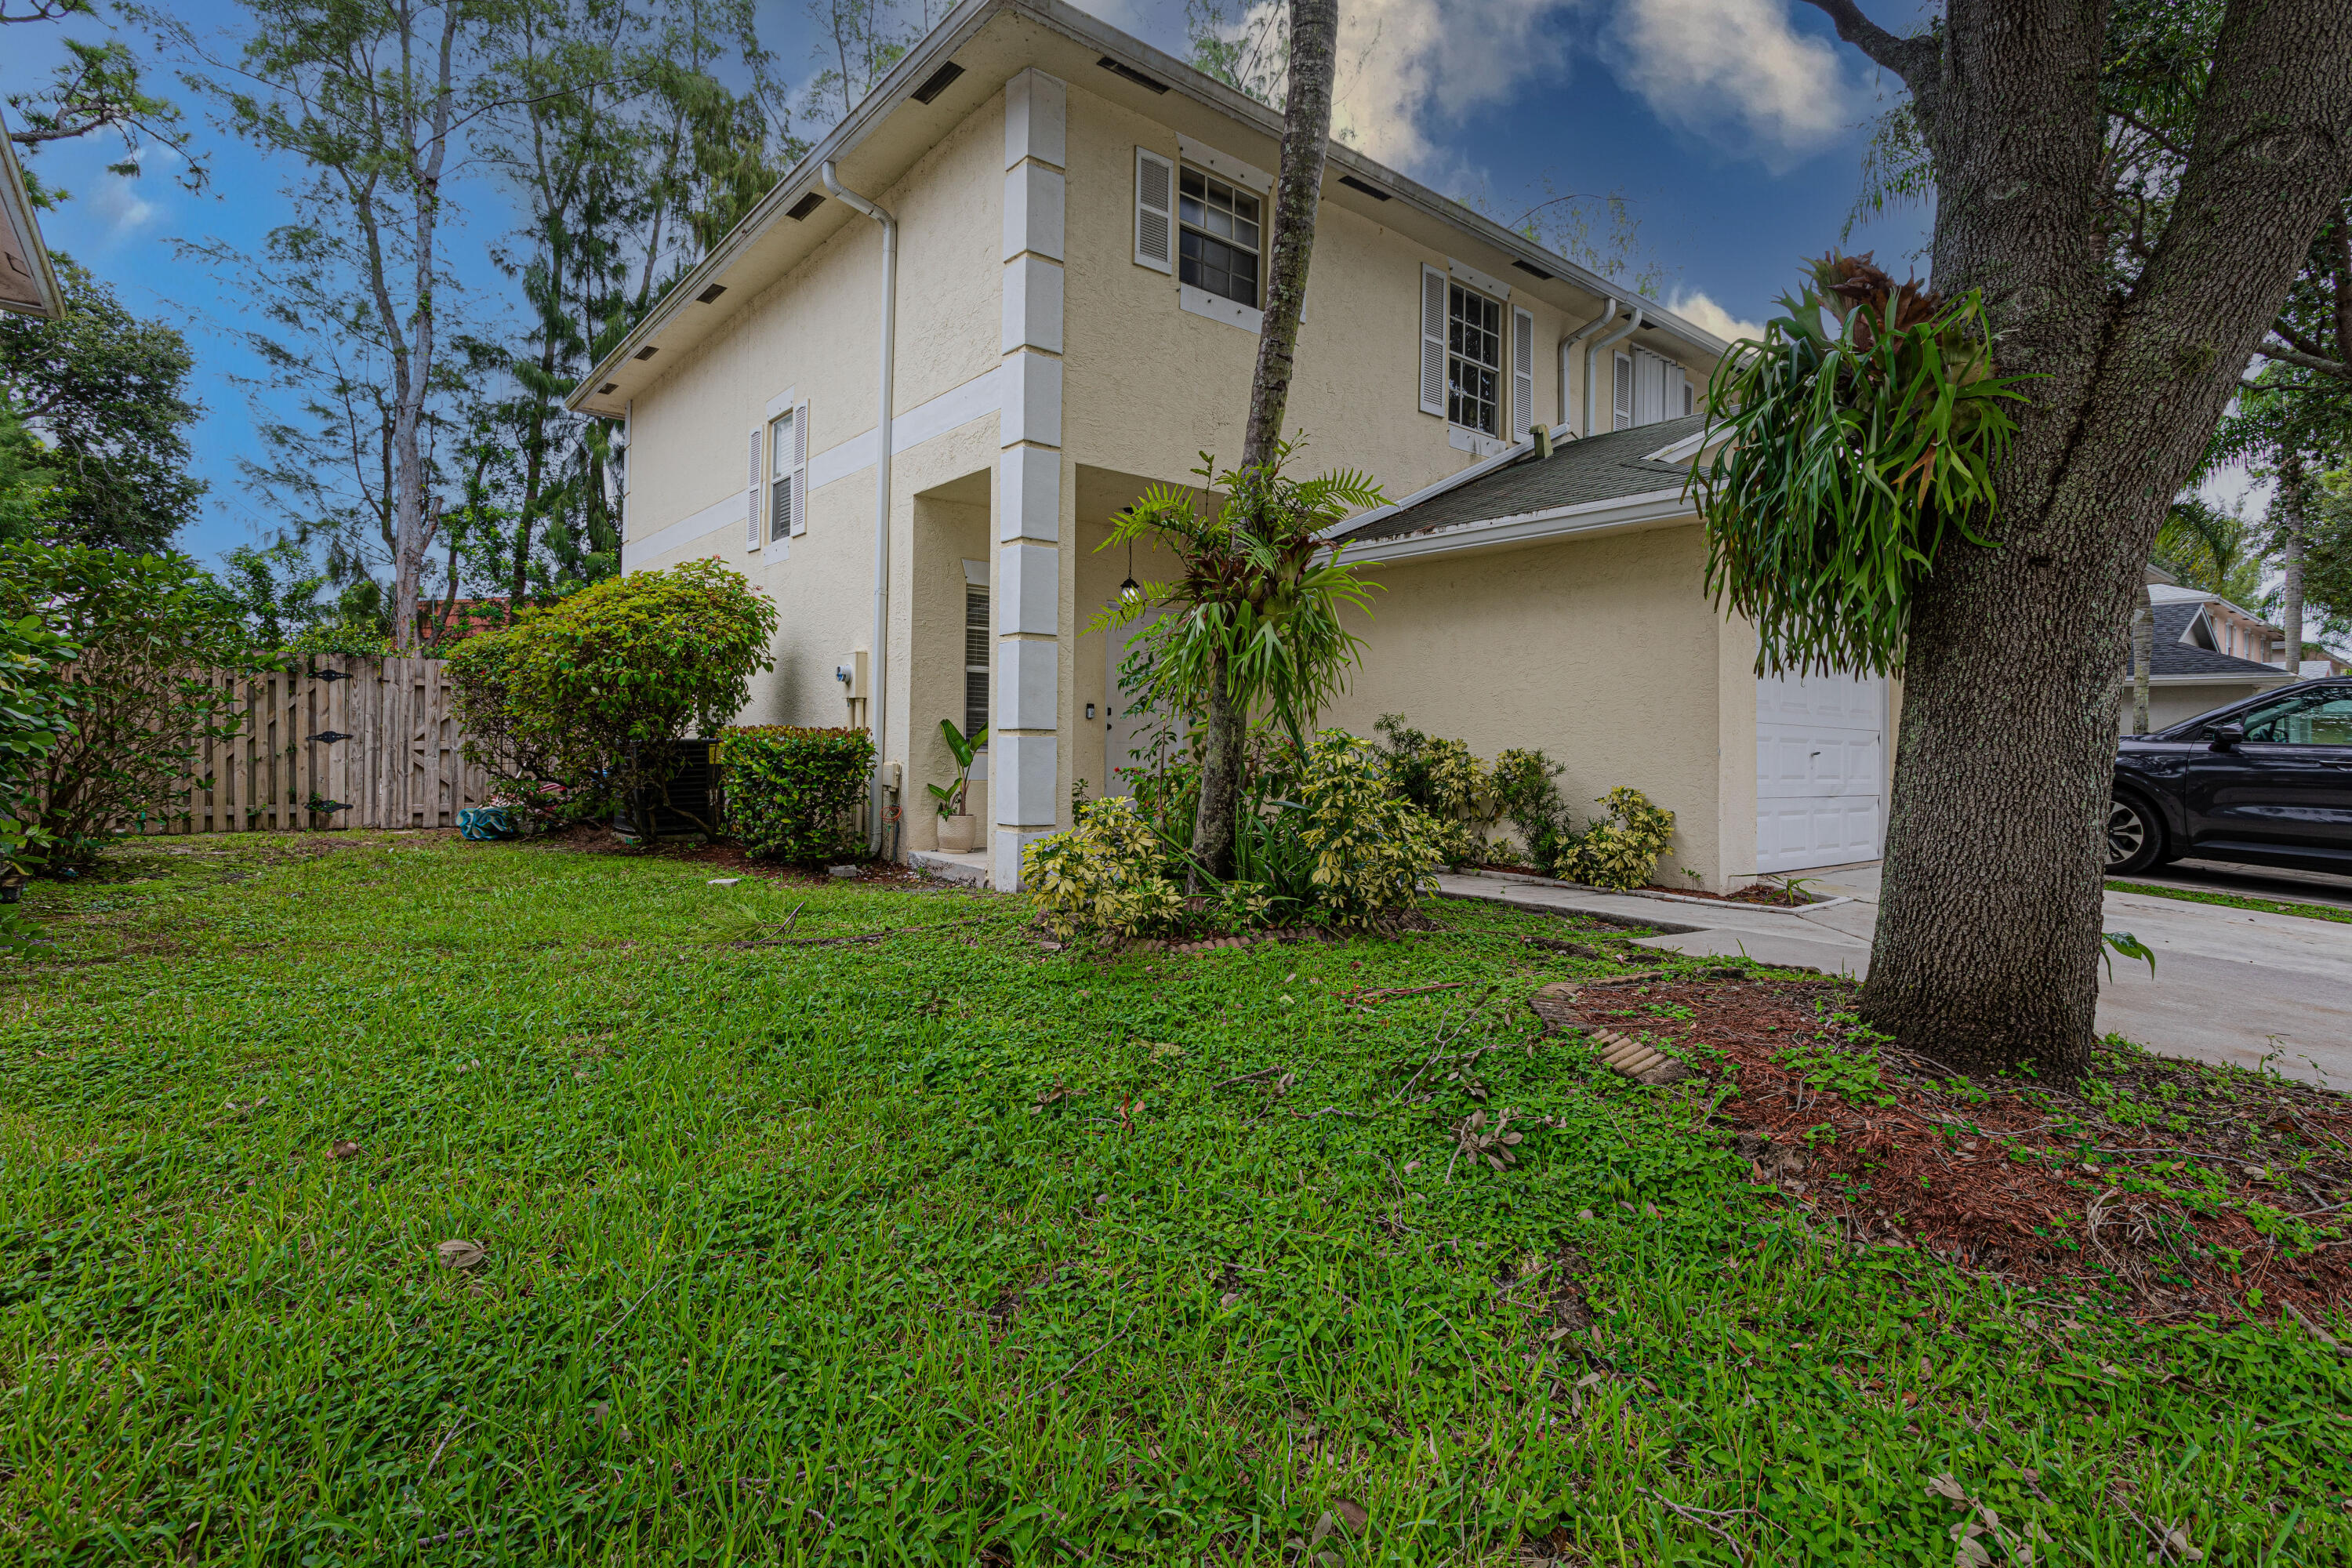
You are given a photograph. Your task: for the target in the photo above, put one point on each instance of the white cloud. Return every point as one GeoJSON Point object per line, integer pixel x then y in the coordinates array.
{"type": "Point", "coordinates": [1693, 306]}
{"type": "Point", "coordinates": [1735, 68]}
{"type": "Point", "coordinates": [123, 208]}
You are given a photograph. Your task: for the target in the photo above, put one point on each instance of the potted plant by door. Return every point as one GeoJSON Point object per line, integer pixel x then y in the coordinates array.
{"type": "Point", "coordinates": [957, 829]}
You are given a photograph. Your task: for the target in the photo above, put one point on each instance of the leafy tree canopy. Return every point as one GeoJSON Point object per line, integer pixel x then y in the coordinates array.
{"type": "Point", "coordinates": [109, 394]}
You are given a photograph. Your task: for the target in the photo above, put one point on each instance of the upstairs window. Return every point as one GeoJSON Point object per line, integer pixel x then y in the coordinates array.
{"type": "Point", "coordinates": [781, 448]}
{"type": "Point", "coordinates": [1217, 237]}
{"type": "Point", "coordinates": [1473, 360]}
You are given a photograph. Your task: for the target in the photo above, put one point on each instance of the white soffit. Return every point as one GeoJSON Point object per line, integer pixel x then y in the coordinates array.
{"type": "Point", "coordinates": [1481, 281]}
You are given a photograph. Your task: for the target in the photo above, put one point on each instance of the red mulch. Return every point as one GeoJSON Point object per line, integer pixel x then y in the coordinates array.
{"type": "Point", "coordinates": [2027, 1184]}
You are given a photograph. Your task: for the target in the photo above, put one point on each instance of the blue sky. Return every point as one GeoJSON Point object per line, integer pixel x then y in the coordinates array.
{"type": "Point", "coordinates": [1734, 129]}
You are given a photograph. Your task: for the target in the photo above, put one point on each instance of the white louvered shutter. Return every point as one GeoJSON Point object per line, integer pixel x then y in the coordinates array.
{"type": "Point", "coordinates": [752, 496]}
{"type": "Point", "coordinates": [1621, 386]}
{"type": "Point", "coordinates": [1523, 372]}
{"type": "Point", "coordinates": [1433, 341]}
{"type": "Point", "coordinates": [800, 469]}
{"type": "Point", "coordinates": [1155, 212]}
{"type": "Point", "coordinates": [1678, 392]}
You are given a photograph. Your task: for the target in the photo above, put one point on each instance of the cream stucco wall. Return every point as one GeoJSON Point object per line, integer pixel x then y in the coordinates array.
{"type": "Point", "coordinates": [1604, 653]}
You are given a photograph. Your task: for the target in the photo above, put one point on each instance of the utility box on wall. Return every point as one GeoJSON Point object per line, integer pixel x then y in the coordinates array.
{"type": "Point", "coordinates": [851, 673]}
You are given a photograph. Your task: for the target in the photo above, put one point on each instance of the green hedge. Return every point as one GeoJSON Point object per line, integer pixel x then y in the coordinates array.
{"type": "Point", "coordinates": [790, 791]}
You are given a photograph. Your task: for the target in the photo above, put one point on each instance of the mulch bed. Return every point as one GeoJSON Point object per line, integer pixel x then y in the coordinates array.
{"type": "Point", "coordinates": [2090, 1187]}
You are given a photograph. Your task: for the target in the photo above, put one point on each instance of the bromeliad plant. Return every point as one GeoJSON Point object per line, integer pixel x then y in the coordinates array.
{"type": "Point", "coordinates": [1254, 623]}
{"type": "Point", "coordinates": [951, 797]}
{"type": "Point", "coordinates": [1853, 454]}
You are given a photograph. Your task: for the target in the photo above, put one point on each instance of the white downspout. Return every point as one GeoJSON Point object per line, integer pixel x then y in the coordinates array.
{"type": "Point", "coordinates": [1616, 337]}
{"type": "Point", "coordinates": [1608, 312]}
{"type": "Point", "coordinates": [876, 671]}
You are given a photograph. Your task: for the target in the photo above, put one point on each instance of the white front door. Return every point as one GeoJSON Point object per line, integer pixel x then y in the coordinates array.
{"type": "Point", "coordinates": [1820, 770]}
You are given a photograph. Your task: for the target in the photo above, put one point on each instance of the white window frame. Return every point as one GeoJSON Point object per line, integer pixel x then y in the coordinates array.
{"type": "Point", "coordinates": [1498, 370]}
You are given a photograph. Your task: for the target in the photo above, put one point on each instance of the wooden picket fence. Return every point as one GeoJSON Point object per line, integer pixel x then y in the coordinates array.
{"type": "Point", "coordinates": [343, 743]}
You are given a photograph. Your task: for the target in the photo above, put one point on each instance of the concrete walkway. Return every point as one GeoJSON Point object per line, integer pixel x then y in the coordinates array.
{"type": "Point", "coordinates": [2230, 985]}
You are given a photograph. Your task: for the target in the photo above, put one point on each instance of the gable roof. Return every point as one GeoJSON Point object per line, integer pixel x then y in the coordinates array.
{"type": "Point", "coordinates": [2178, 653]}
{"type": "Point", "coordinates": [992, 40]}
{"type": "Point", "coordinates": [1619, 466]}
{"type": "Point", "coordinates": [29, 286]}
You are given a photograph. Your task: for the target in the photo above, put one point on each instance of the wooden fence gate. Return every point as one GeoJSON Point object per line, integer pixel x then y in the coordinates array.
{"type": "Point", "coordinates": [345, 743]}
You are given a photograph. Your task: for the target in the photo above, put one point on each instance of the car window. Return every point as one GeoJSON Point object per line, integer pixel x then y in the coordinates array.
{"type": "Point", "coordinates": [2311, 719]}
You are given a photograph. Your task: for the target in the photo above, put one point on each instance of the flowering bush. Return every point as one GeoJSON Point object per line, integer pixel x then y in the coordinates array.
{"type": "Point", "coordinates": [1624, 851]}
{"type": "Point", "coordinates": [790, 790]}
{"type": "Point", "coordinates": [1105, 877]}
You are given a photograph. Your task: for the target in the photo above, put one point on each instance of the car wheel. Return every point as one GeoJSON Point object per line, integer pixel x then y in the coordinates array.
{"type": "Point", "coordinates": [2135, 836]}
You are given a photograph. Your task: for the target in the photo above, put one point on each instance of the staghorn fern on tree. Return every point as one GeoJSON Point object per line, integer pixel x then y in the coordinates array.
{"type": "Point", "coordinates": [1853, 453]}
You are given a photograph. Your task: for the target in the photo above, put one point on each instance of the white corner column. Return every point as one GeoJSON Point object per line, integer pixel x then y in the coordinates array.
{"type": "Point", "coordinates": [1022, 747]}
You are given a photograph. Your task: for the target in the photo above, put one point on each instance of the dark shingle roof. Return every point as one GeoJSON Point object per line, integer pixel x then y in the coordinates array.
{"type": "Point", "coordinates": [1598, 468]}
{"type": "Point", "coordinates": [2174, 656]}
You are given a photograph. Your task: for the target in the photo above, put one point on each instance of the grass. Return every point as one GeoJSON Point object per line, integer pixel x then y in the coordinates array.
{"type": "Point", "coordinates": [948, 1249]}
{"type": "Point", "coordinates": [2235, 902]}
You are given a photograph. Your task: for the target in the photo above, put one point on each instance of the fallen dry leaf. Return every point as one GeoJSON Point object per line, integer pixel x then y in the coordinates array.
{"type": "Point", "coordinates": [457, 1252]}
{"type": "Point", "coordinates": [343, 1149]}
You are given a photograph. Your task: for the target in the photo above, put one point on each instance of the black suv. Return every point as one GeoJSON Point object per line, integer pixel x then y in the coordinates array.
{"type": "Point", "coordinates": [2267, 782]}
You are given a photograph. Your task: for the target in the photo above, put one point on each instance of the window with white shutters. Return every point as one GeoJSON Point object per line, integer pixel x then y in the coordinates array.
{"type": "Point", "coordinates": [1217, 236]}
{"type": "Point", "coordinates": [800, 469]}
{"type": "Point", "coordinates": [1433, 285]}
{"type": "Point", "coordinates": [783, 430]}
{"type": "Point", "coordinates": [1620, 385]}
{"type": "Point", "coordinates": [752, 496]}
{"type": "Point", "coordinates": [975, 659]}
{"type": "Point", "coordinates": [1473, 360]}
{"type": "Point", "coordinates": [1155, 212]}
{"type": "Point", "coordinates": [1523, 374]}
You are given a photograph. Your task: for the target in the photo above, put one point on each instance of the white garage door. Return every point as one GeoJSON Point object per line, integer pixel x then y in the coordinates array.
{"type": "Point", "coordinates": [1819, 769]}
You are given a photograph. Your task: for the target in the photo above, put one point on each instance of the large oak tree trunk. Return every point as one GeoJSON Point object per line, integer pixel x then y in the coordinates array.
{"type": "Point", "coordinates": [1306, 141]}
{"type": "Point", "coordinates": [1988, 937]}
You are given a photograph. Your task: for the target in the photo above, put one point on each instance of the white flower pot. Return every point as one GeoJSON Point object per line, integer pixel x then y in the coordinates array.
{"type": "Point", "coordinates": [956, 834]}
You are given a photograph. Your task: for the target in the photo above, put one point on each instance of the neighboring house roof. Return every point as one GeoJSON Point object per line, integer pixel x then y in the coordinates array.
{"type": "Point", "coordinates": [987, 41]}
{"type": "Point", "coordinates": [1619, 466]}
{"type": "Point", "coordinates": [2180, 654]}
{"type": "Point", "coordinates": [27, 284]}
{"type": "Point", "coordinates": [2172, 594]}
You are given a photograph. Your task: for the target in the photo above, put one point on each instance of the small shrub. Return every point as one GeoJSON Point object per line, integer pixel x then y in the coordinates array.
{"type": "Point", "coordinates": [1527, 797]}
{"type": "Point", "coordinates": [1622, 851]}
{"type": "Point", "coordinates": [1375, 851]}
{"type": "Point", "coordinates": [789, 791]}
{"type": "Point", "coordinates": [36, 716]}
{"type": "Point", "coordinates": [149, 631]}
{"type": "Point", "coordinates": [1105, 877]}
{"type": "Point", "coordinates": [1446, 780]}
{"type": "Point", "coordinates": [594, 692]}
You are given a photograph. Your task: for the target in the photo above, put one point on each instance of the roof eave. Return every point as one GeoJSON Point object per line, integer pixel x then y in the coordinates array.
{"type": "Point", "coordinates": [16, 211]}
{"type": "Point", "coordinates": [1618, 514]}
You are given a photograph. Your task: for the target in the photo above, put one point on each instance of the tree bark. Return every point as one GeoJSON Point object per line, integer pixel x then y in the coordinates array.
{"type": "Point", "coordinates": [2291, 481]}
{"type": "Point", "coordinates": [1298, 192]}
{"type": "Point", "coordinates": [1988, 938]}
{"type": "Point", "coordinates": [1306, 143]}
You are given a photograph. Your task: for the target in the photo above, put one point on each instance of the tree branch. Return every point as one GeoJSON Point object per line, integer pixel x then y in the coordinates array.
{"type": "Point", "coordinates": [2285, 355]}
{"type": "Point", "coordinates": [1913, 59]}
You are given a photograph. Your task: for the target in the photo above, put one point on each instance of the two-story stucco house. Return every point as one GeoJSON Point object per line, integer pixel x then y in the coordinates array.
{"type": "Point", "coordinates": [1070, 275]}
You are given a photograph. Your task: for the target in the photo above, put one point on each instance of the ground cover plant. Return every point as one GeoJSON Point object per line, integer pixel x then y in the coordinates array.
{"type": "Point", "coordinates": [389, 1198]}
{"type": "Point", "coordinates": [2237, 901]}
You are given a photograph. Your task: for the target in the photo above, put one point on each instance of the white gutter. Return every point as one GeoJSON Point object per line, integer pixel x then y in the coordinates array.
{"type": "Point", "coordinates": [1618, 514]}
{"type": "Point", "coordinates": [877, 673]}
{"type": "Point", "coordinates": [1630, 328]}
{"type": "Point", "coordinates": [1608, 314]}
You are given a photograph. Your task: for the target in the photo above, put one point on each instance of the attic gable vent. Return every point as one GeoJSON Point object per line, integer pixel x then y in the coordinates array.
{"type": "Point", "coordinates": [648, 350]}
{"type": "Point", "coordinates": [1131, 74]}
{"type": "Point", "coordinates": [938, 82]}
{"type": "Point", "coordinates": [1532, 271]}
{"type": "Point", "coordinates": [609, 388]}
{"type": "Point", "coordinates": [801, 209]}
{"type": "Point", "coordinates": [707, 295]}
{"type": "Point", "coordinates": [1372, 191]}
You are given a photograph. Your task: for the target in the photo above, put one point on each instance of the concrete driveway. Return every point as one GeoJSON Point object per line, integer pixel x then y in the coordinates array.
{"type": "Point", "coordinates": [2230, 985]}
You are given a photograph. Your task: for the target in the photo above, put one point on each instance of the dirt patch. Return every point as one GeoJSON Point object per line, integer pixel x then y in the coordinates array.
{"type": "Point", "coordinates": [2178, 1188]}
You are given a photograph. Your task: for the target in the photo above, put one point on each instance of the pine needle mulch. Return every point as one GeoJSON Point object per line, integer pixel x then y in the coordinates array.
{"type": "Point", "coordinates": [2177, 1189]}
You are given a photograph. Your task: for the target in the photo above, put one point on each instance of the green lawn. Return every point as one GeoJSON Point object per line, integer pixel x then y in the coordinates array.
{"type": "Point", "coordinates": [2234, 900]}
{"type": "Point", "coordinates": [947, 1248]}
